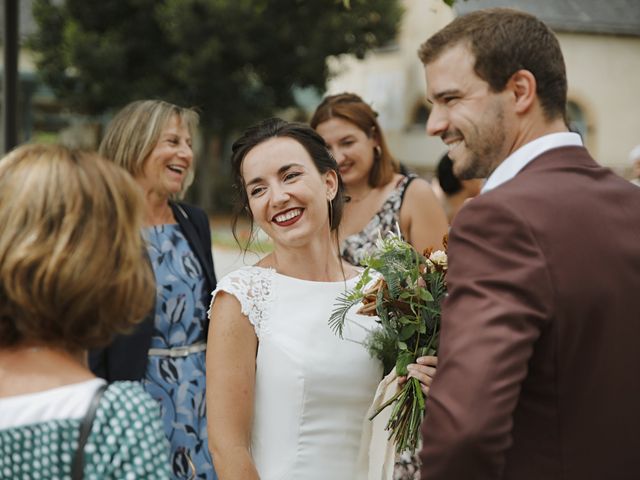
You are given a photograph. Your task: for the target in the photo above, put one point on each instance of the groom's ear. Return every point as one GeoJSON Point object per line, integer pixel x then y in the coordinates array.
{"type": "Point", "coordinates": [523, 85]}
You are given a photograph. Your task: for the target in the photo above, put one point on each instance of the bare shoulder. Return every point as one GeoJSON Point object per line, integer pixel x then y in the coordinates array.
{"type": "Point", "coordinates": [225, 301]}
{"type": "Point", "coordinates": [226, 313]}
{"type": "Point", "coordinates": [420, 196]}
{"type": "Point", "coordinates": [349, 270]}
{"type": "Point", "coordinates": [265, 262]}
{"type": "Point", "coordinates": [422, 218]}
{"type": "Point", "coordinates": [419, 189]}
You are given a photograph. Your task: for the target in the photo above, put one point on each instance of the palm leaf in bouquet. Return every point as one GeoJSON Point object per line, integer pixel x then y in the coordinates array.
{"type": "Point", "coordinates": [405, 294]}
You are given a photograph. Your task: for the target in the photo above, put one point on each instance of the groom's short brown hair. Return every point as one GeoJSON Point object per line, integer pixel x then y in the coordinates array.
{"type": "Point", "coordinates": [504, 41]}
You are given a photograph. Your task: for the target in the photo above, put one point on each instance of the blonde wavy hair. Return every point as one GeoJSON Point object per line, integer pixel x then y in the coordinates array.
{"type": "Point", "coordinates": [135, 131]}
{"type": "Point", "coordinates": [73, 271]}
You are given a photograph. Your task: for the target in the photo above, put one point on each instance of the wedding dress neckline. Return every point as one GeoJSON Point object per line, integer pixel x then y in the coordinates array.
{"type": "Point", "coordinates": [336, 282]}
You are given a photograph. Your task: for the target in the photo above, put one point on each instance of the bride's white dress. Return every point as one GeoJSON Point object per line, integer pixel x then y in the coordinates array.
{"type": "Point", "coordinates": [312, 388]}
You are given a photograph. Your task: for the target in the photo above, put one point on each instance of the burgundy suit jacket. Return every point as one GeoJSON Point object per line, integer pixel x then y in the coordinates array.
{"type": "Point", "coordinates": [539, 373]}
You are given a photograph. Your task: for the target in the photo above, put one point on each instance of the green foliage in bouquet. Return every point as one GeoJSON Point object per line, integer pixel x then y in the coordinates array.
{"type": "Point", "coordinates": [406, 298]}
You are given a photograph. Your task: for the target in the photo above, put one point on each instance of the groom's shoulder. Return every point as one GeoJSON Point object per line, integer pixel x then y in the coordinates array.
{"type": "Point", "coordinates": [556, 195]}
{"type": "Point", "coordinates": [562, 175]}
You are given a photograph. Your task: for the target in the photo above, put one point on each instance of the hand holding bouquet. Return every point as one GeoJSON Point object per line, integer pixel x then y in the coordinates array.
{"type": "Point", "coordinates": [406, 298]}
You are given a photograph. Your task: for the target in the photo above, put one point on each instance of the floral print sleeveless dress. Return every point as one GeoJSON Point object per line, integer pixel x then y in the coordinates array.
{"type": "Point", "coordinates": [355, 247]}
{"type": "Point", "coordinates": [178, 383]}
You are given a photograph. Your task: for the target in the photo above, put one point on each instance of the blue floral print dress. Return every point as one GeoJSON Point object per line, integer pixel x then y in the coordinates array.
{"type": "Point", "coordinates": [178, 383]}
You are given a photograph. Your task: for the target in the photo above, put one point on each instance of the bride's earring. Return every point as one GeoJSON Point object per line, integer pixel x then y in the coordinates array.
{"type": "Point", "coordinates": [330, 202]}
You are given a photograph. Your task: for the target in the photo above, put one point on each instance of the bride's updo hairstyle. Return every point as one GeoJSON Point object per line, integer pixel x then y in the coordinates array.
{"type": "Point", "coordinates": [313, 143]}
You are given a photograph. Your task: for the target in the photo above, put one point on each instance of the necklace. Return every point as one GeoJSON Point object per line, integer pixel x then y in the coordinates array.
{"type": "Point", "coordinates": [160, 216]}
{"type": "Point", "coordinates": [352, 199]}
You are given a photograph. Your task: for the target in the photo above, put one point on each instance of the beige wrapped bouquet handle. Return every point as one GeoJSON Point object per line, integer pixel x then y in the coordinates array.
{"type": "Point", "coordinates": [376, 458]}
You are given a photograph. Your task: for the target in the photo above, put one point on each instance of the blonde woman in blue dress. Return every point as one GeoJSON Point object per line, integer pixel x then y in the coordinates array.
{"type": "Point", "coordinates": [151, 139]}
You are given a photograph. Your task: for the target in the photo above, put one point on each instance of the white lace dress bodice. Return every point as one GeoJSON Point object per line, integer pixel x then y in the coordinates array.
{"type": "Point", "coordinates": [312, 388]}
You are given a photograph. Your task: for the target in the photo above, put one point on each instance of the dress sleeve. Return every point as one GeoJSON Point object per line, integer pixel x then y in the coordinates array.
{"type": "Point", "coordinates": [252, 287]}
{"type": "Point", "coordinates": [127, 439]}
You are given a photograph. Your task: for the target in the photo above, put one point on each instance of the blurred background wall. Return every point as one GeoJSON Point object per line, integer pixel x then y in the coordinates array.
{"type": "Point", "coordinates": [238, 62]}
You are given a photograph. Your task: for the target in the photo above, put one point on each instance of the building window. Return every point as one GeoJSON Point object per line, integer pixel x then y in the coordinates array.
{"type": "Point", "coordinates": [577, 119]}
{"type": "Point", "coordinates": [419, 117]}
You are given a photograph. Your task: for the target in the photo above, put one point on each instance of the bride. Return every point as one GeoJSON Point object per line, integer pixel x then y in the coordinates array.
{"type": "Point", "coordinates": [286, 398]}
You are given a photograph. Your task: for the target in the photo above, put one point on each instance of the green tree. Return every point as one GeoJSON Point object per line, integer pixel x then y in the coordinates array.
{"type": "Point", "coordinates": [236, 60]}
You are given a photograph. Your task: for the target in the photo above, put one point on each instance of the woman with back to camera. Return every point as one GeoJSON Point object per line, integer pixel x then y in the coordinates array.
{"type": "Point", "coordinates": [152, 140]}
{"type": "Point", "coordinates": [72, 274]}
{"type": "Point", "coordinates": [287, 398]}
{"type": "Point", "coordinates": [380, 198]}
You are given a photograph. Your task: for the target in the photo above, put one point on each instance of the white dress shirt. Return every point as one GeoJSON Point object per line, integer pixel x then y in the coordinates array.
{"type": "Point", "coordinates": [515, 162]}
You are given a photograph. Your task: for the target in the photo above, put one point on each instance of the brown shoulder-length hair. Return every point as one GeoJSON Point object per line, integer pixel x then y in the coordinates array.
{"type": "Point", "coordinates": [73, 269]}
{"type": "Point", "coordinates": [135, 130]}
{"type": "Point", "coordinates": [351, 108]}
{"type": "Point", "coordinates": [504, 41]}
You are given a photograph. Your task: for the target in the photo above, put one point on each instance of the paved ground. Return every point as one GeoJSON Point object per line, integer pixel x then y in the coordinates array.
{"type": "Point", "coordinates": [226, 259]}
{"type": "Point", "coordinates": [227, 255]}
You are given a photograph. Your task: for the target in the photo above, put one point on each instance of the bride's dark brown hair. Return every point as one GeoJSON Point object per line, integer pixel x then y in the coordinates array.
{"type": "Point", "coordinates": [305, 136]}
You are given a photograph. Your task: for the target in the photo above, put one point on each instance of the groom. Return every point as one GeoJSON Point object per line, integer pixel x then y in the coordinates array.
{"type": "Point", "coordinates": [540, 344]}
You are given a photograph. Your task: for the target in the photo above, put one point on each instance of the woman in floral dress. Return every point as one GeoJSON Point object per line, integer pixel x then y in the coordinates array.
{"type": "Point", "coordinates": [152, 140]}
{"type": "Point", "coordinates": [382, 199]}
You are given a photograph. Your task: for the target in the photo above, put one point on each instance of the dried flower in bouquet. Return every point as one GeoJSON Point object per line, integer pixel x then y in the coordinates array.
{"type": "Point", "coordinates": [406, 297]}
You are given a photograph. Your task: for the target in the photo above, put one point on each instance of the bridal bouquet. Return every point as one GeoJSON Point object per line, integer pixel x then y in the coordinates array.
{"type": "Point", "coordinates": [406, 299]}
